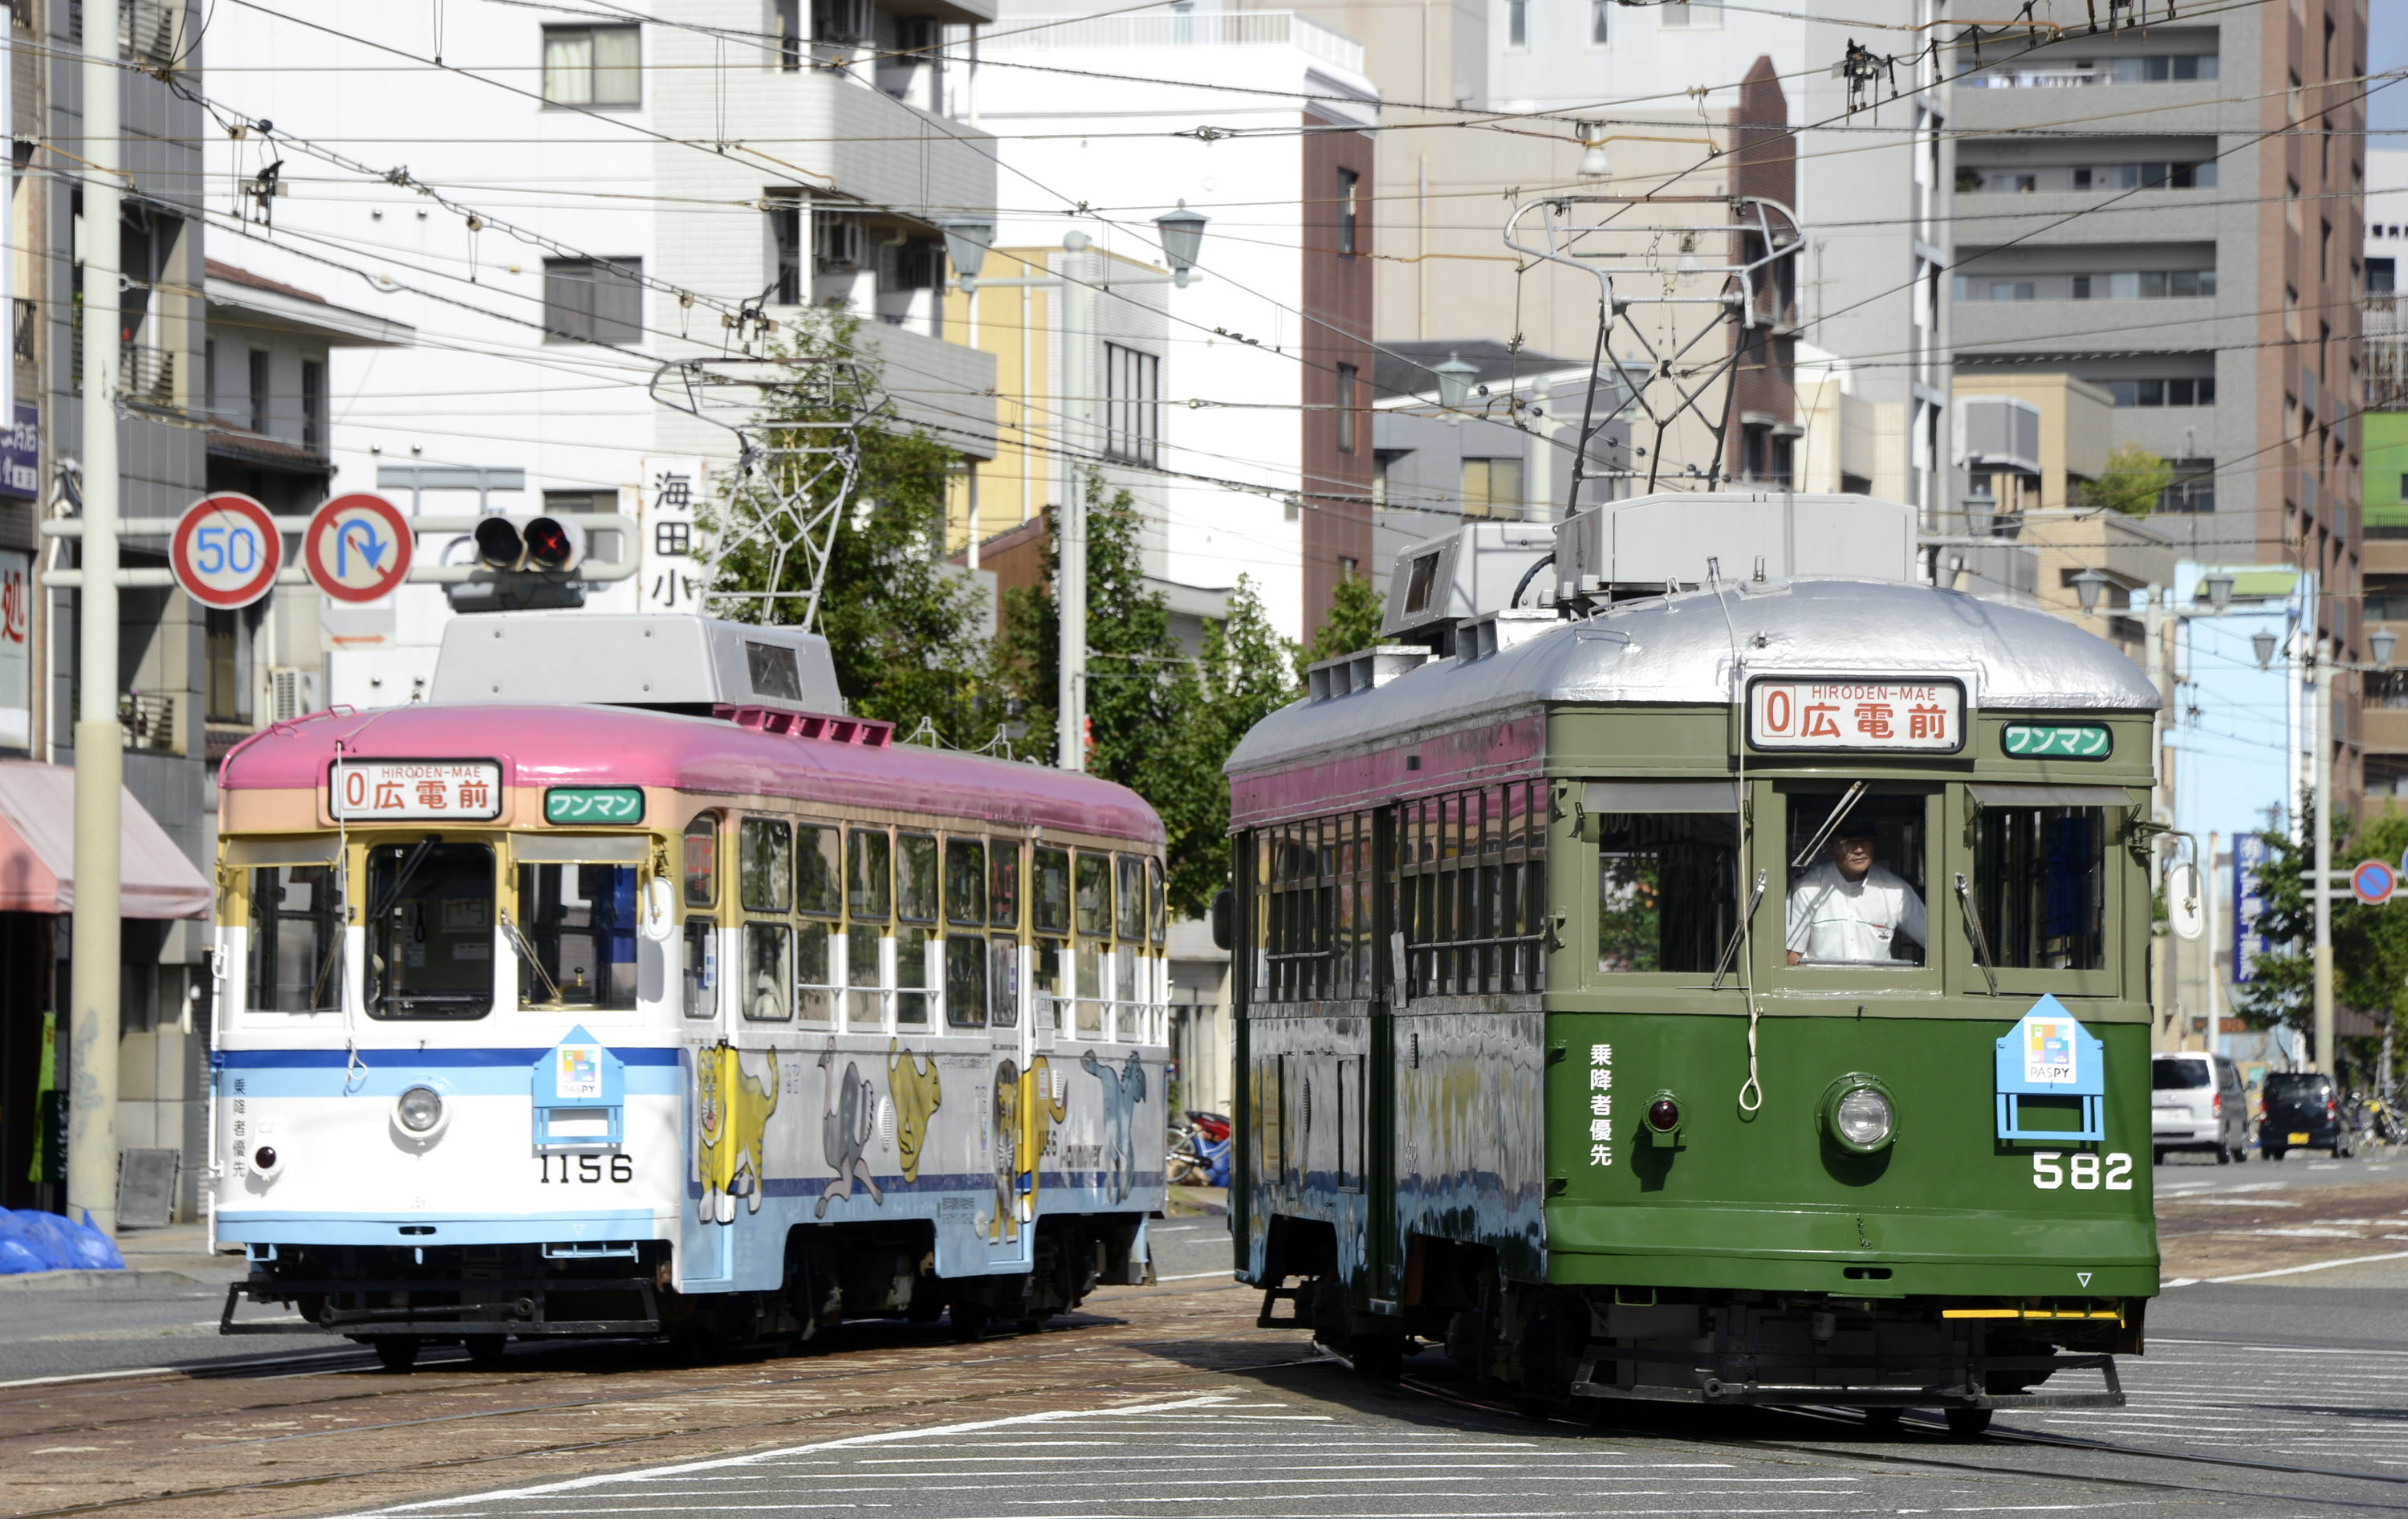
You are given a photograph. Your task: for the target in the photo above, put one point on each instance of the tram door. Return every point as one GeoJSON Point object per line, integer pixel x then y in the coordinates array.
{"type": "Point", "coordinates": [706, 1250]}
{"type": "Point", "coordinates": [1012, 1017]}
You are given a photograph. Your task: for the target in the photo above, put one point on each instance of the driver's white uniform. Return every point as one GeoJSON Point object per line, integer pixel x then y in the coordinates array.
{"type": "Point", "coordinates": [1834, 918]}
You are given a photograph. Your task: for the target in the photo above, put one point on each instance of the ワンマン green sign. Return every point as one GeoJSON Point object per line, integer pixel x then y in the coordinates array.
{"type": "Point", "coordinates": [2058, 740]}
{"type": "Point", "coordinates": [593, 804]}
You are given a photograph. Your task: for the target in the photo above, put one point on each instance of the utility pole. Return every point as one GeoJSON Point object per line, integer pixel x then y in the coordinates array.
{"type": "Point", "coordinates": [99, 741]}
{"type": "Point", "coordinates": [2320, 1056]}
{"type": "Point", "coordinates": [1078, 325]}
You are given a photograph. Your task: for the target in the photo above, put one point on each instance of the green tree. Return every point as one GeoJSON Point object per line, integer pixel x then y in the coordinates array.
{"type": "Point", "coordinates": [1159, 723]}
{"type": "Point", "coordinates": [1353, 623]}
{"type": "Point", "coordinates": [2132, 481]}
{"type": "Point", "coordinates": [903, 627]}
{"type": "Point", "coordinates": [2369, 943]}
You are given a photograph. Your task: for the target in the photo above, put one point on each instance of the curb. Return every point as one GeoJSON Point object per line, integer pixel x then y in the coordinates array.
{"type": "Point", "coordinates": [131, 1279]}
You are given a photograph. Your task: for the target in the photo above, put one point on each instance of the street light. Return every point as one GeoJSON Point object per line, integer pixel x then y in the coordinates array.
{"type": "Point", "coordinates": [2380, 643]}
{"type": "Point", "coordinates": [2219, 590]}
{"type": "Point", "coordinates": [1455, 379]}
{"type": "Point", "coordinates": [2263, 643]}
{"type": "Point", "coordinates": [2086, 588]}
{"type": "Point", "coordinates": [1182, 236]}
{"type": "Point", "coordinates": [1981, 509]}
{"type": "Point", "coordinates": [966, 241]}
{"type": "Point", "coordinates": [1593, 163]}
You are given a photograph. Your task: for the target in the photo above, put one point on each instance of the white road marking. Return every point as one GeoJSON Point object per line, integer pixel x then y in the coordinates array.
{"type": "Point", "coordinates": [2290, 1270]}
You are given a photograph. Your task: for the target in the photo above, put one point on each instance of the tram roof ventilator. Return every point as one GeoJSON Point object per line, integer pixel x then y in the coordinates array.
{"type": "Point", "coordinates": [779, 679]}
{"type": "Point", "coordinates": [1485, 587]}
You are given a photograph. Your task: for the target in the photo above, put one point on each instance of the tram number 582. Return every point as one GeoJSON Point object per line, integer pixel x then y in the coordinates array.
{"type": "Point", "coordinates": [2086, 1171]}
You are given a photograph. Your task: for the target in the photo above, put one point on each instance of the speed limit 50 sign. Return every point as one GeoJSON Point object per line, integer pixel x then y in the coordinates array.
{"type": "Point", "coordinates": [226, 551]}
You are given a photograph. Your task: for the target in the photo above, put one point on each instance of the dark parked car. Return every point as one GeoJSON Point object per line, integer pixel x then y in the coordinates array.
{"type": "Point", "coordinates": [2301, 1111]}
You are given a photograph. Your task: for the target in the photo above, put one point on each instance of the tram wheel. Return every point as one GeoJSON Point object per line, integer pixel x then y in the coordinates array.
{"type": "Point", "coordinates": [485, 1351]}
{"type": "Point", "coordinates": [1966, 1423]}
{"type": "Point", "coordinates": [397, 1352]}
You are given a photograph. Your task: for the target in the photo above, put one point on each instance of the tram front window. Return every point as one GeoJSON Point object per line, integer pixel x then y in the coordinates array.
{"type": "Point", "coordinates": [579, 919]}
{"type": "Point", "coordinates": [2040, 879]}
{"type": "Point", "coordinates": [1855, 897]}
{"type": "Point", "coordinates": [296, 938]}
{"type": "Point", "coordinates": [430, 931]}
{"type": "Point", "coordinates": [1667, 889]}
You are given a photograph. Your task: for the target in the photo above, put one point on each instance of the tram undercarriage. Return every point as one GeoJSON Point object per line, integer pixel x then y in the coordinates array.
{"type": "Point", "coordinates": [399, 1297]}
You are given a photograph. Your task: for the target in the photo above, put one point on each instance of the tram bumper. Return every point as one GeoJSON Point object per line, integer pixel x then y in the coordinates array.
{"type": "Point", "coordinates": [1844, 1382]}
{"type": "Point", "coordinates": [530, 1292]}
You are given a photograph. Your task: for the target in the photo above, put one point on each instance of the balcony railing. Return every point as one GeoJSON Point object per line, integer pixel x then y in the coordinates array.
{"type": "Point", "coordinates": [1210, 29]}
{"type": "Point", "coordinates": [149, 720]}
{"type": "Point", "coordinates": [146, 375]}
{"type": "Point", "coordinates": [2386, 353]}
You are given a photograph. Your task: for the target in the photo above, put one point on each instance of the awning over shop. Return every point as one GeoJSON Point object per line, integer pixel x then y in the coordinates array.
{"type": "Point", "coordinates": [37, 851]}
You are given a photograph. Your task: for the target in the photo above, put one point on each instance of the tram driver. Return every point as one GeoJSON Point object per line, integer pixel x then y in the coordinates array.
{"type": "Point", "coordinates": [1850, 910]}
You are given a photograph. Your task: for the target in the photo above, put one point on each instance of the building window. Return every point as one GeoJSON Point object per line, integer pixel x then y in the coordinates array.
{"type": "Point", "coordinates": [2162, 392]}
{"type": "Point", "coordinates": [227, 643]}
{"type": "Point", "coordinates": [785, 215]}
{"type": "Point", "coordinates": [313, 404]}
{"type": "Point", "coordinates": [591, 66]}
{"type": "Point", "coordinates": [2379, 276]}
{"type": "Point", "coordinates": [1132, 404]}
{"type": "Point", "coordinates": [1517, 24]}
{"type": "Point", "coordinates": [1695, 16]}
{"type": "Point", "coordinates": [1492, 488]}
{"type": "Point", "coordinates": [1350, 212]}
{"type": "Point", "coordinates": [789, 23]}
{"type": "Point", "coordinates": [1347, 374]}
{"type": "Point", "coordinates": [209, 379]}
{"type": "Point", "coordinates": [259, 390]}
{"type": "Point", "coordinates": [1599, 12]}
{"type": "Point", "coordinates": [2193, 489]}
{"type": "Point", "coordinates": [593, 300]}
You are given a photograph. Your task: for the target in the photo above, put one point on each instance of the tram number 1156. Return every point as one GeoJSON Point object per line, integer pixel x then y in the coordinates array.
{"type": "Point", "coordinates": [587, 1168]}
{"type": "Point", "coordinates": [2085, 1172]}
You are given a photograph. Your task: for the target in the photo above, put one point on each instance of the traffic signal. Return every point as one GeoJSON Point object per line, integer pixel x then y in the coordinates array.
{"type": "Point", "coordinates": [544, 545]}
{"type": "Point", "coordinates": [534, 560]}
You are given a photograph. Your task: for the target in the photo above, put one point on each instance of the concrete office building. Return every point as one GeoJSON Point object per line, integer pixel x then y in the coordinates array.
{"type": "Point", "coordinates": [2172, 214]}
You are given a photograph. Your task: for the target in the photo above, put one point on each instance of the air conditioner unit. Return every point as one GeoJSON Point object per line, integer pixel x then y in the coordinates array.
{"type": "Point", "coordinates": [837, 241]}
{"type": "Point", "coordinates": [293, 693]}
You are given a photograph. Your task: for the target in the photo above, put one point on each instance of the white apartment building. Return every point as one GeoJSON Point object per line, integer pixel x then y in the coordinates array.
{"type": "Point", "coordinates": [1264, 442]}
{"type": "Point", "coordinates": [602, 198]}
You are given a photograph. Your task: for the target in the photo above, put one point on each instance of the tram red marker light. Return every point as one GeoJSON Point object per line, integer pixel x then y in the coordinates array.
{"type": "Point", "coordinates": [265, 1158]}
{"type": "Point", "coordinates": [1664, 1115]}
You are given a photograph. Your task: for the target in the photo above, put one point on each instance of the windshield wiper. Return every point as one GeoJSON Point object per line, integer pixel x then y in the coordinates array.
{"type": "Point", "coordinates": [1981, 940]}
{"type": "Point", "coordinates": [1739, 931]}
{"type": "Point", "coordinates": [401, 878]}
{"type": "Point", "coordinates": [1838, 815]}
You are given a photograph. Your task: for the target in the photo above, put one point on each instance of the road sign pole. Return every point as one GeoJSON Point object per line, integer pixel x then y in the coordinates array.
{"type": "Point", "coordinates": [99, 739]}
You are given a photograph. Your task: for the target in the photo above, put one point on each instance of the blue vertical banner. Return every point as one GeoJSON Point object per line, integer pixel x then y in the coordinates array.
{"type": "Point", "coordinates": [2250, 852]}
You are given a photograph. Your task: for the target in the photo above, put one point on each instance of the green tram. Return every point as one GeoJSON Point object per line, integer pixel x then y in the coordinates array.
{"type": "Point", "coordinates": [1716, 988]}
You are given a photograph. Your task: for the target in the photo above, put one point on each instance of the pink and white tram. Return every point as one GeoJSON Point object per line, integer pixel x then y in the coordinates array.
{"type": "Point", "coordinates": [560, 1020]}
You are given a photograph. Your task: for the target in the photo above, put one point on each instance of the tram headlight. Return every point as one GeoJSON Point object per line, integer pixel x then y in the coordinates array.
{"type": "Point", "coordinates": [1859, 1113]}
{"type": "Point", "coordinates": [419, 1110]}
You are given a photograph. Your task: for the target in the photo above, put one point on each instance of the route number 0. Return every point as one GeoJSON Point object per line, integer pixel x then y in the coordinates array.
{"type": "Point", "coordinates": [2087, 1172]}
{"type": "Point", "coordinates": [218, 549]}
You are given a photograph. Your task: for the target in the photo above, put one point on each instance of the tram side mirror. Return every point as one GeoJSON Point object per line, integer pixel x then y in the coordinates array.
{"type": "Point", "coordinates": [659, 918]}
{"type": "Point", "coordinates": [1225, 911]}
{"type": "Point", "coordinates": [2186, 901]}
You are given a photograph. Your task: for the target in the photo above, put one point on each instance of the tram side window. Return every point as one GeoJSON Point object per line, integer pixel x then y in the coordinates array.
{"type": "Point", "coordinates": [2039, 881]}
{"type": "Point", "coordinates": [579, 921]}
{"type": "Point", "coordinates": [965, 945]}
{"type": "Point", "coordinates": [1003, 950]}
{"type": "Point", "coordinates": [699, 866]}
{"type": "Point", "coordinates": [869, 905]}
{"type": "Point", "coordinates": [1092, 952]}
{"type": "Point", "coordinates": [1131, 994]}
{"type": "Point", "coordinates": [819, 908]}
{"type": "Point", "coordinates": [915, 941]}
{"type": "Point", "coordinates": [766, 871]}
{"type": "Point", "coordinates": [1050, 916]}
{"type": "Point", "coordinates": [1667, 889]}
{"type": "Point", "coordinates": [296, 938]}
{"type": "Point", "coordinates": [1471, 890]}
{"type": "Point", "coordinates": [1860, 901]}
{"type": "Point", "coordinates": [430, 931]}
